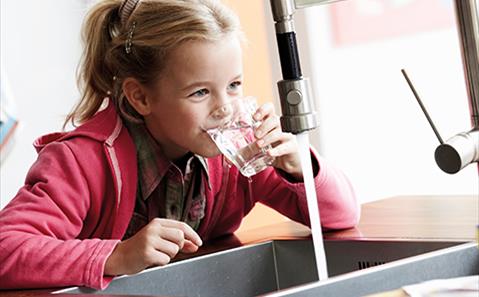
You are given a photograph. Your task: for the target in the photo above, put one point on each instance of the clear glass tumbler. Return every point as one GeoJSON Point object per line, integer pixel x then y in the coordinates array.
{"type": "Point", "coordinates": [232, 127]}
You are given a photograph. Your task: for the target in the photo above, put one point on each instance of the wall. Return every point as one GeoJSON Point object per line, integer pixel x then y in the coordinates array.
{"type": "Point", "coordinates": [258, 79]}
{"type": "Point", "coordinates": [40, 48]}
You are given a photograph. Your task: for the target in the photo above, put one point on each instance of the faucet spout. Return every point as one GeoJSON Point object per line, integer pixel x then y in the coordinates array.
{"type": "Point", "coordinates": [463, 148]}
{"type": "Point", "coordinates": [297, 104]}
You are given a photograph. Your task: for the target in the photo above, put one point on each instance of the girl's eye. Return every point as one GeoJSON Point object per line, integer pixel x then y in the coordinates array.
{"type": "Point", "coordinates": [234, 85]}
{"type": "Point", "coordinates": [199, 93]}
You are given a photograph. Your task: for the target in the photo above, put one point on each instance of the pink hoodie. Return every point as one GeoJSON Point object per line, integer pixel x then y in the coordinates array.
{"type": "Point", "coordinates": [79, 196]}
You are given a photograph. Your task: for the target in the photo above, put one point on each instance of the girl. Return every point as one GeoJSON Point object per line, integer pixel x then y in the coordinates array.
{"type": "Point", "coordinates": [138, 180]}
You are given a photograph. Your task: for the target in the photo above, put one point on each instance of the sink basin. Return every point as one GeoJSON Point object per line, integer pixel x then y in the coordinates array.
{"type": "Point", "coordinates": [266, 268]}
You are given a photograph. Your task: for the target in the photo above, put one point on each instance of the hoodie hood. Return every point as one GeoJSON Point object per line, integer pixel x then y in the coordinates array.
{"type": "Point", "coordinates": [101, 127]}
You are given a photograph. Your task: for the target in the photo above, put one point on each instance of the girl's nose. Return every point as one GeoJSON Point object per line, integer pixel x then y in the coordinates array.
{"type": "Point", "coordinates": [223, 99]}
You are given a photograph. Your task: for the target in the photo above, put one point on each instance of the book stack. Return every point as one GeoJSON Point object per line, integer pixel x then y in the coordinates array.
{"type": "Point", "coordinates": [8, 125]}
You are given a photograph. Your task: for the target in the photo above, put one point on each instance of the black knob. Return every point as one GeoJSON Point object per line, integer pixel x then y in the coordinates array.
{"type": "Point", "coordinates": [448, 159]}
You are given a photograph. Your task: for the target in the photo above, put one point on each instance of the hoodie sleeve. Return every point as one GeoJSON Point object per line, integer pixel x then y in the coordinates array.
{"type": "Point", "coordinates": [337, 203]}
{"type": "Point", "coordinates": [40, 227]}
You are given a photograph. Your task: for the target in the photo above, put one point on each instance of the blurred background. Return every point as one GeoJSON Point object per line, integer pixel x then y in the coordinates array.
{"type": "Point", "coordinates": [370, 124]}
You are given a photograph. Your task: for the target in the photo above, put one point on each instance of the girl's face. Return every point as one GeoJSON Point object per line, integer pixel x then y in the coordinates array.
{"type": "Point", "coordinates": [199, 77]}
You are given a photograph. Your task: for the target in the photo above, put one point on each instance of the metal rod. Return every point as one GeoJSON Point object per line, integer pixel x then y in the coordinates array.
{"type": "Point", "coordinates": [468, 29]}
{"type": "Point", "coordinates": [422, 106]}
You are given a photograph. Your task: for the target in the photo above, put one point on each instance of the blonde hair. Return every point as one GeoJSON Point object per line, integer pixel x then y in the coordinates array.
{"type": "Point", "coordinates": [156, 27]}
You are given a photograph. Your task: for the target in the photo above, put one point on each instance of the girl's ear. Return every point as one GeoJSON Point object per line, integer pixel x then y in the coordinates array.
{"type": "Point", "coordinates": [136, 95]}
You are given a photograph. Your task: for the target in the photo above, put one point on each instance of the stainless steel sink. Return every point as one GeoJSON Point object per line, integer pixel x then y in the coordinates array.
{"type": "Point", "coordinates": [265, 268]}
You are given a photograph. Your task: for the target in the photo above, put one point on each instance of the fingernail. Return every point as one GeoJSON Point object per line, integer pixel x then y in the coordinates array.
{"type": "Point", "coordinates": [260, 142]}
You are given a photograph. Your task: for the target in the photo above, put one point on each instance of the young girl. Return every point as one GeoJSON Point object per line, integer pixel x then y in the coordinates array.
{"type": "Point", "coordinates": [138, 180]}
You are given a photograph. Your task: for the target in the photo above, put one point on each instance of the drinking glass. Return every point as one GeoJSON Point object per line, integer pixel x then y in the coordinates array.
{"type": "Point", "coordinates": [232, 128]}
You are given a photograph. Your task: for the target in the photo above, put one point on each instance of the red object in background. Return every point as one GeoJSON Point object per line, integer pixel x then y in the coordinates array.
{"type": "Point", "coordinates": [359, 21]}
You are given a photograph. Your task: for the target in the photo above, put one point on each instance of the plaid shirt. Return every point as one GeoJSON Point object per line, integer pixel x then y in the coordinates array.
{"type": "Point", "coordinates": [164, 190]}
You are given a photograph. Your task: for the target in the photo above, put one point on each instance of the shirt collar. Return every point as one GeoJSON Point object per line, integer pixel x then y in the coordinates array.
{"type": "Point", "coordinates": [152, 162]}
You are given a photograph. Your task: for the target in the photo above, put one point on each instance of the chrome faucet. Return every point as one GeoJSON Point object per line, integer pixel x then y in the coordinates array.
{"type": "Point", "coordinates": [297, 104]}
{"type": "Point", "coordinates": [463, 149]}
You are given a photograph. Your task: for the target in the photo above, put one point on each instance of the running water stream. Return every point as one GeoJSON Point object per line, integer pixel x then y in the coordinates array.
{"type": "Point", "coordinates": [305, 155]}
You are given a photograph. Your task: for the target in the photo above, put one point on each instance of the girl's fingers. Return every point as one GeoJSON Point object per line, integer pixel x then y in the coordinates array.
{"type": "Point", "coordinates": [189, 247]}
{"type": "Point", "coordinates": [277, 137]}
{"type": "Point", "coordinates": [263, 111]}
{"type": "Point", "coordinates": [268, 125]}
{"type": "Point", "coordinates": [167, 247]}
{"type": "Point", "coordinates": [158, 258]}
{"type": "Point", "coordinates": [281, 149]}
{"type": "Point", "coordinates": [271, 138]}
{"type": "Point", "coordinates": [188, 232]}
{"type": "Point", "coordinates": [173, 235]}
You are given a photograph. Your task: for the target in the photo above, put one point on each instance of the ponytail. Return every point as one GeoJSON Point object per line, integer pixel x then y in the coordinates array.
{"type": "Point", "coordinates": [95, 76]}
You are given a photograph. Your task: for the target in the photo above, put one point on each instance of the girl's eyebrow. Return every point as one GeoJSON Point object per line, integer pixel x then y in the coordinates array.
{"type": "Point", "coordinates": [239, 76]}
{"type": "Point", "coordinates": [203, 83]}
{"type": "Point", "coordinates": [195, 84]}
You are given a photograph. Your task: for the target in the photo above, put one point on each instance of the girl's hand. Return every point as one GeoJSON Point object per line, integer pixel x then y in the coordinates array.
{"type": "Point", "coordinates": [155, 244]}
{"type": "Point", "coordinates": [285, 148]}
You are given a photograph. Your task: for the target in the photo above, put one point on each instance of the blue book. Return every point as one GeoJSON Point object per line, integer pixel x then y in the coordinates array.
{"type": "Point", "coordinates": [8, 124]}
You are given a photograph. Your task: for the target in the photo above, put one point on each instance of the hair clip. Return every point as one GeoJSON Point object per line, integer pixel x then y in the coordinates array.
{"type": "Point", "coordinates": [126, 9]}
{"type": "Point", "coordinates": [129, 39]}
